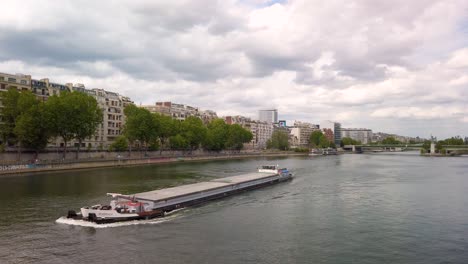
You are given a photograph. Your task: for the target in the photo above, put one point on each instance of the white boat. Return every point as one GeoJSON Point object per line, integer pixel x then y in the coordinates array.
{"type": "Point", "coordinates": [153, 204]}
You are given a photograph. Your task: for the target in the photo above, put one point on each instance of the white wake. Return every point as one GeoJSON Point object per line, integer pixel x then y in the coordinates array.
{"type": "Point", "coordinates": [68, 221]}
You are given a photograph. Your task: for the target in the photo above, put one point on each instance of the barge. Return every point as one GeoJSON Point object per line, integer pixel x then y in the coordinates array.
{"type": "Point", "coordinates": [152, 204]}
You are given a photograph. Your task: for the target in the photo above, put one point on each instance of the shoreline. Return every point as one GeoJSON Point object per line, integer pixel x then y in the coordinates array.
{"type": "Point", "coordinates": [38, 168]}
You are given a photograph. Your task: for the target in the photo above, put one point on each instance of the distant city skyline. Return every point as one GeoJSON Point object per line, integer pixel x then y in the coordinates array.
{"type": "Point", "coordinates": [399, 67]}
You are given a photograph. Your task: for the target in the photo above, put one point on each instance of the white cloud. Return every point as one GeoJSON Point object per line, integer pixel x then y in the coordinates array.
{"type": "Point", "coordinates": [365, 63]}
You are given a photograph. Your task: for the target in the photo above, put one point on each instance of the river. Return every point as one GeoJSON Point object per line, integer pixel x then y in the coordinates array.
{"type": "Point", "coordinates": [368, 208]}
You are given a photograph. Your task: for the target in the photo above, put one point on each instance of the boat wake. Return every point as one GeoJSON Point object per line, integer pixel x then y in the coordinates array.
{"type": "Point", "coordinates": [68, 221]}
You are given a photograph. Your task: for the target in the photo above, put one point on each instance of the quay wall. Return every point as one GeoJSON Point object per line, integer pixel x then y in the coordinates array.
{"type": "Point", "coordinates": [119, 160]}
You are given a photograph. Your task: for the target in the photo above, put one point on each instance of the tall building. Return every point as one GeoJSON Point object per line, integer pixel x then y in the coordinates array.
{"type": "Point", "coordinates": [363, 135]}
{"type": "Point", "coordinates": [335, 127]}
{"type": "Point", "coordinates": [270, 116]}
{"type": "Point", "coordinates": [300, 134]}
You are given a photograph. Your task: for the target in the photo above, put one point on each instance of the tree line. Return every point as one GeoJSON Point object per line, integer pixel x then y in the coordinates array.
{"type": "Point", "coordinates": [29, 123]}
{"type": "Point", "coordinates": [439, 145]}
{"type": "Point", "coordinates": [153, 131]}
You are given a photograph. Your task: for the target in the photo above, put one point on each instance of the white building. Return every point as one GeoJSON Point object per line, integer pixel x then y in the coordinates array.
{"type": "Point", "coordinates": [363, 135]}
{"type": "Point", "coordinates": [261, 131]}
{"type": "Point", "coordinates": [300, 134]}
{"type": "Point", "coordinates": [181, 111]}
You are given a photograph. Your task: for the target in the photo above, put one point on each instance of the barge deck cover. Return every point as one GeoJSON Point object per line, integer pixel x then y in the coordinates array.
{"type": "Point", "coordinates": [168, 193]}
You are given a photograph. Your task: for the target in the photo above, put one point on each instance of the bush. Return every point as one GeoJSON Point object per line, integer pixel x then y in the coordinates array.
{"type": "Point", "coordinates": [301, 150]}
{"type": "Point", "coordinates": [120, 144]}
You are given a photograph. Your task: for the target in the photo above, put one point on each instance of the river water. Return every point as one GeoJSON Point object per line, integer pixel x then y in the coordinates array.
{"type": "Point", "coordinates": [338, 209]}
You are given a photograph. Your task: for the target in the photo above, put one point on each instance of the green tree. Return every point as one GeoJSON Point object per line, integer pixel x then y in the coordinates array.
{"type": "Point", "coordinates": [140, 125]}
{"type": "Point", "coordinates": [73, 115]}
{"type": "Point", "coordinates": [193, 131]}
{"type": "Point", "coordinates": [32, 128]}
{"type": "Point", "coordinates": [315, 137]}
{"type": "Point", "coordinates": [323, 142]}
{"type": "Point", "coordinates": [279, 140]}
{"type": "Point", "coordinates": [349, 141]}
{"type": "Point", "coordinates": [217, 135]}
{"type": "Point", "coordinates": [453, 141]}
{"type": "Point", "coordinates": [120, 144]}
{"type": "Point", "coordinates": [9, 114]}
{"type": "Point", "coordinates": [178, 142]}
{"type": "Point", "coordinates": [391, 141]}
{"type": "Point", "coordinates": [87, 115]}
{"type": "Point", "coordinates": [59, 117]}
{"type": "Point", "coordinates": [23, 123]}
{"type": "Point", "coordinates": [167, 129]}
{"type": "Point", "coordinates": [237, 136]}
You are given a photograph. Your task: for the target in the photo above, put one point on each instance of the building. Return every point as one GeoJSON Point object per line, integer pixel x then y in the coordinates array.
{"type": "Point", "coordinates": [300, 134]}
{"type": "Point", "coordinates": [181, 111]}
{"type": "Point", "coordinates": [335, 127]}
{"type": "Point", "coordinates": [269, 116]}
{"type": "Point", "coordinates": [363, 135]}
{"type": "Point", "coordinates": [112, 105]}
{"type": "Point", "coordinates": [261, 131]}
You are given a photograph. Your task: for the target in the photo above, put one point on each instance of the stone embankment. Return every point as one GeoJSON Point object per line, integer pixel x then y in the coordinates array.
{"type": "Point", "coordinates": [44, 166]}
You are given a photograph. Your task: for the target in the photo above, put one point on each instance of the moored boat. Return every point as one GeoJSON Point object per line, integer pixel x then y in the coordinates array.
{"type": "Point", "coordinates": [156, 203]}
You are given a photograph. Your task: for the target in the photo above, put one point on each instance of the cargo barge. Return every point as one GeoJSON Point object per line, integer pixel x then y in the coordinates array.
{"type": "Point", "coordinates": [152, 204]}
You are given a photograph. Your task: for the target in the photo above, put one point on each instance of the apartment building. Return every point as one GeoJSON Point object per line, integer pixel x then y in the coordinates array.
{"type": "Point", "coordinates": [181, 111]}
{"type": "Point", "coordinates": [112, 105]}
{"type": "Point", "coordinates": [261, 131]}
{"type": "Point", "coordinates": [300, 134]}
{"type": "Point", "coordinates": [363, 135]}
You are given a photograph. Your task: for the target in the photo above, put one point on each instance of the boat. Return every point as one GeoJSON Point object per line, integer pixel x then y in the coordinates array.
{"type": "Point", "coordinates": [153, 204]}
{"type": "Point", "coordinates": [324, 151]}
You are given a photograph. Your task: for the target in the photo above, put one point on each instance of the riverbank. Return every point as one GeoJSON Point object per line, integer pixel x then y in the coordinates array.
{"type": "Point", "coordinates": [127, 162]}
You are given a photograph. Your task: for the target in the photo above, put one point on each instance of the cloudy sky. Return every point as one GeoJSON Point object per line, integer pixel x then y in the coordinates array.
{"type": "Point", "coordinates": [395, 66]}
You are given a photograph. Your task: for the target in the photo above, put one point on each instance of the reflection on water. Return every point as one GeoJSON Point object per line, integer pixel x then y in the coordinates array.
{"type": "Point", "coordinates": [338, 209]}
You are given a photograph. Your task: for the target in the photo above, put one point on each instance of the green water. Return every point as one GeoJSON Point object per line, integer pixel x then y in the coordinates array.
{"type": "Point", "coordinates": [337, 209]}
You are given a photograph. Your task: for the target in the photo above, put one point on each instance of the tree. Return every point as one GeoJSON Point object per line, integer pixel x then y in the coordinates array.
{"type": "Point", "coordinates": [73, 115]}
{"type": "Point", "coordinates": [279, 140]}
{"type": "Point", "coordinates": [178, 142]}
{"type": "Point", "coordinates": [323, 142]}
{"type": "Point", "coordinates": [217, 135]}
{"type": "Point", "coordinates": [9, 114]}
{"type": "Point", "coordinates": [167, 128]}
{"type": "Point", "coordinates": [32, 128]}
{"type": "Point", "coordinates": [59, 117]}
{"type": "Point", "coordinates": [237, 136]}
{"type": "Point", "coordinates": [390, 141]}
{"type": "Point", "coordinates": [349, 141]}
{"type": "Point", "coordinates": [120, 144]}
{"type": "Point", "coordinates": [314, 138]}
{"type": "Point", "coordinates": [193, 131]}
{"type": "Point", "coordinates": [23, 122]}
{"type": "Point", "coordinates": [140, 125]}
{"type": "Point", "coordinates": [87, 115]}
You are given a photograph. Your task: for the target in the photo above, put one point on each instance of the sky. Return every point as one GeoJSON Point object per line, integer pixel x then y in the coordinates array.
{"type": "Point", "coordinates": [392, 66]}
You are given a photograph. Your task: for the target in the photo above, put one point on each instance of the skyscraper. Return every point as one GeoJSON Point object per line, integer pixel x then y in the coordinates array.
{"type": "Point", "coordinates": [269, 115]}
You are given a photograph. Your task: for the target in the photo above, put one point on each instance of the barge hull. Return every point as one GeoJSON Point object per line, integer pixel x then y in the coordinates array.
{"type": "Point", "coordinates": [218, 196]}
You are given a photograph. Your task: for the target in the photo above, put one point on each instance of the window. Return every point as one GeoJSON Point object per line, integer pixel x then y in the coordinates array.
{"type": "Point", "coordinates": [11, 79]}
{"type": "Point", "coordinates": [24, 82]}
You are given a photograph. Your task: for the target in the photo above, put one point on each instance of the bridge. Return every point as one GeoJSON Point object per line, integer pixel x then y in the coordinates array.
{"type": "Point", "coordinates": [450, 149]}
{"type": "Point", "coordinates": [382, 148]}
